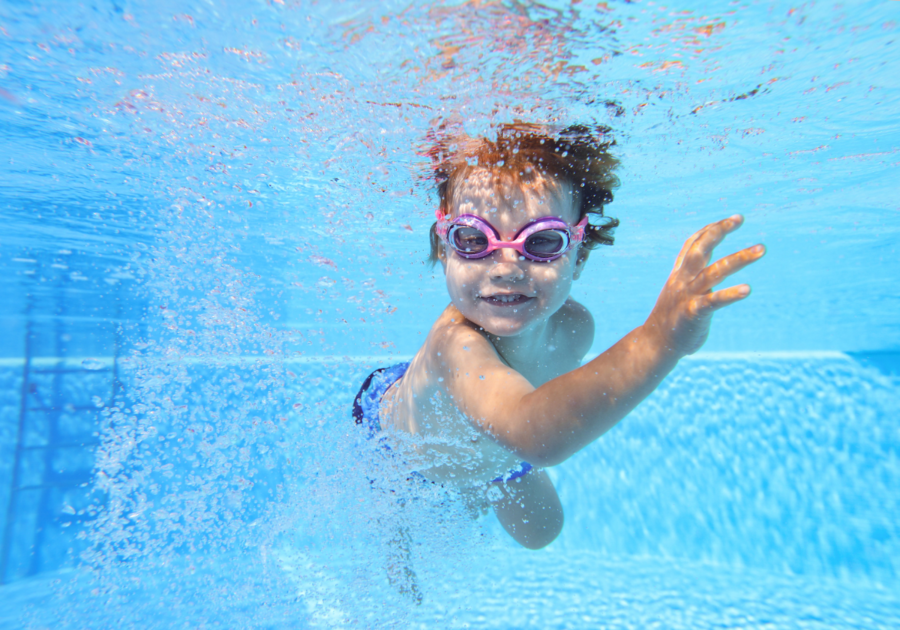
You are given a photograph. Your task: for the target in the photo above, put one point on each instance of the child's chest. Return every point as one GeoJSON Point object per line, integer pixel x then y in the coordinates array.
{"type": "Point", "coordinates": [547, 370]}
{"type": "Point", "coordinates": [552, 360]}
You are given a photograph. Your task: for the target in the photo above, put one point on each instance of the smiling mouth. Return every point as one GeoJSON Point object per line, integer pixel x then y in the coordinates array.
{"type": "Point", "coordinates": [506, 299]}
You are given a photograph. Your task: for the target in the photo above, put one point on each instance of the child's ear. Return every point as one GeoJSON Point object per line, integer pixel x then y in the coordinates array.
{"type": "Point", "coordinates": [583, 253]}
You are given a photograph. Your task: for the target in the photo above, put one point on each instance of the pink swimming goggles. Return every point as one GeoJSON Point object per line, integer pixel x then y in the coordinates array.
{"type": "Point", "coordinates": [541, 240]}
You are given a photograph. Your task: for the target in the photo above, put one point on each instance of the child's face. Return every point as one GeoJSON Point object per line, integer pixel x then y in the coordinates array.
{"type": "Point", "coordinates": [505, 293]}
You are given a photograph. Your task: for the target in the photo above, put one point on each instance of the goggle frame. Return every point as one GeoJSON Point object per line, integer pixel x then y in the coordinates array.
{"type": "Point", "coordinates": [574, 235]}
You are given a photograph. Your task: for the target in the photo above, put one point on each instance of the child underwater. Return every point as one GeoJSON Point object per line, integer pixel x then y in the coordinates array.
{"type": "Point", "coordinates": [498, 391]}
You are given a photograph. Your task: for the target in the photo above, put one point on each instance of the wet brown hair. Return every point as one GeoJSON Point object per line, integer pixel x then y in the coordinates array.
{"type": "Point", "coordinates": [578, 155]}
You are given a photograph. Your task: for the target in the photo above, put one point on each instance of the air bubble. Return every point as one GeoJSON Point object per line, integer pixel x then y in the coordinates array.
{"type": "Point", "coordinates": [93, 364]}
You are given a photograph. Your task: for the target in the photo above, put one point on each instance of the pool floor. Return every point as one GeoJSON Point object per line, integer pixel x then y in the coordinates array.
{"type": "Point", "coordinates": [516, 589]}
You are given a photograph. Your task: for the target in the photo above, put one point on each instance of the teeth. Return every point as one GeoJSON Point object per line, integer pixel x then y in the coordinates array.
{"type": "Point", "coordinates": [505, 298]}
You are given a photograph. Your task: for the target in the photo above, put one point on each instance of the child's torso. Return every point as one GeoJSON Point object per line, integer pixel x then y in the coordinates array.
{"type": "Point", "coordinates": [445, 444]}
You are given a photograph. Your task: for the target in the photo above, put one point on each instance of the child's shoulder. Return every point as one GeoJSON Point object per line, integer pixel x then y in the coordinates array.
{"type": "Point", "coordinates": [452, 333]}
{"type": "Point", "coordinates": [574, 328]}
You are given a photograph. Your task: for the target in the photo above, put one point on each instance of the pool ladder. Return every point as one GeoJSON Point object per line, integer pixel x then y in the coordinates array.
{"type": "Point", "coordinates": [50, 495]}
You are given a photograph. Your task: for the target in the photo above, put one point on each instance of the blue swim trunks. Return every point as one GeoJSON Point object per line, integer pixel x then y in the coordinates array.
{"type": "Point", "coordinates": [367, 404]}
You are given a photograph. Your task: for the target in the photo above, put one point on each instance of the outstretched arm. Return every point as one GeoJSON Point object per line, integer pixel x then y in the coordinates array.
{"type": "Point", "coordinates": [547, 425]}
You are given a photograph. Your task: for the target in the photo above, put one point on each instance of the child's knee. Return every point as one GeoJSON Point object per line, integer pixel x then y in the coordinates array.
{"type": "Point", "coordinates": [541, 537]}
{"type": "Point", "coordinates": [533, 528]}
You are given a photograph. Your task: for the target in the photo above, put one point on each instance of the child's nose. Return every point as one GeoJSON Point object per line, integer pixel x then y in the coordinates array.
{"type": "Point", "coordinates": [507, 264]}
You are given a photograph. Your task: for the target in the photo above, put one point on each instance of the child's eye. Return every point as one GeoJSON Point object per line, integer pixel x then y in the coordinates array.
{"type": "Point", "coordinates": [469, 239]}
{"type": "Point", "coordinates": [546, 242]}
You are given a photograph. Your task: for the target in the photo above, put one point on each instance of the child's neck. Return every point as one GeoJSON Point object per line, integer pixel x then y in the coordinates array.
{"type": "Point", "coordinates": [526, 349]}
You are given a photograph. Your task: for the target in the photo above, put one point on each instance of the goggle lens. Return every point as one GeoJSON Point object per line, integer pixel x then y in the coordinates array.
{"type": "Point", "coordinates": [468, 240]}
{"type": "Point", "coordinates": [546, 243]}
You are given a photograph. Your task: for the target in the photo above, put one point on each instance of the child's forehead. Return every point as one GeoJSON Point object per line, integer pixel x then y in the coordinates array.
{"type": "Point", "coordinates": [483, 185]}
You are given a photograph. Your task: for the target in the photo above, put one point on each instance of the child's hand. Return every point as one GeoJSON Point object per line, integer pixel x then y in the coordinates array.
{"type": "Point", "coordinates": [684, 309]}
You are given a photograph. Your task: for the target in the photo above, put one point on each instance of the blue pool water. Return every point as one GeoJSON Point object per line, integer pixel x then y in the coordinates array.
{"type": "Point", "coordinates": [214, 221]}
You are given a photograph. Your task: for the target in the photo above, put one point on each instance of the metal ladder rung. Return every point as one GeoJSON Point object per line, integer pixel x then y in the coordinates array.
{"type": "Point", "coordinates": [36, 447]}
{"type": "Point", "coordinates": [73, 370]}
{"type": "Point", "coordinates": [71, 483]}
{"type": "Point", "coordinates": [73, 408]}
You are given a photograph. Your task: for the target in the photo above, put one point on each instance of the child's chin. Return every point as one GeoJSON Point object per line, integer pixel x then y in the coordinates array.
{"type": "Point", "coordinates": [499, 326]}
{"type": "Point", "coordinates": [506, 329]}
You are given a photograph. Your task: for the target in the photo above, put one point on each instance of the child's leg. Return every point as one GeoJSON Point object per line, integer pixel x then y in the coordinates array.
{"type": "Point", "coordinates": [529, 509]}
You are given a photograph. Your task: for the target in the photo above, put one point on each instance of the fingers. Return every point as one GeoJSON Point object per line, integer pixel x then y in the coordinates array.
{"type": "Point", "coordinates": [684, 249]}
{"type": "Point", "coordinates": [698, 249]}
{"type": "Point", "coordinates": [710, 302]}
{"type": "Point", "coordinates": [721, 269]}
